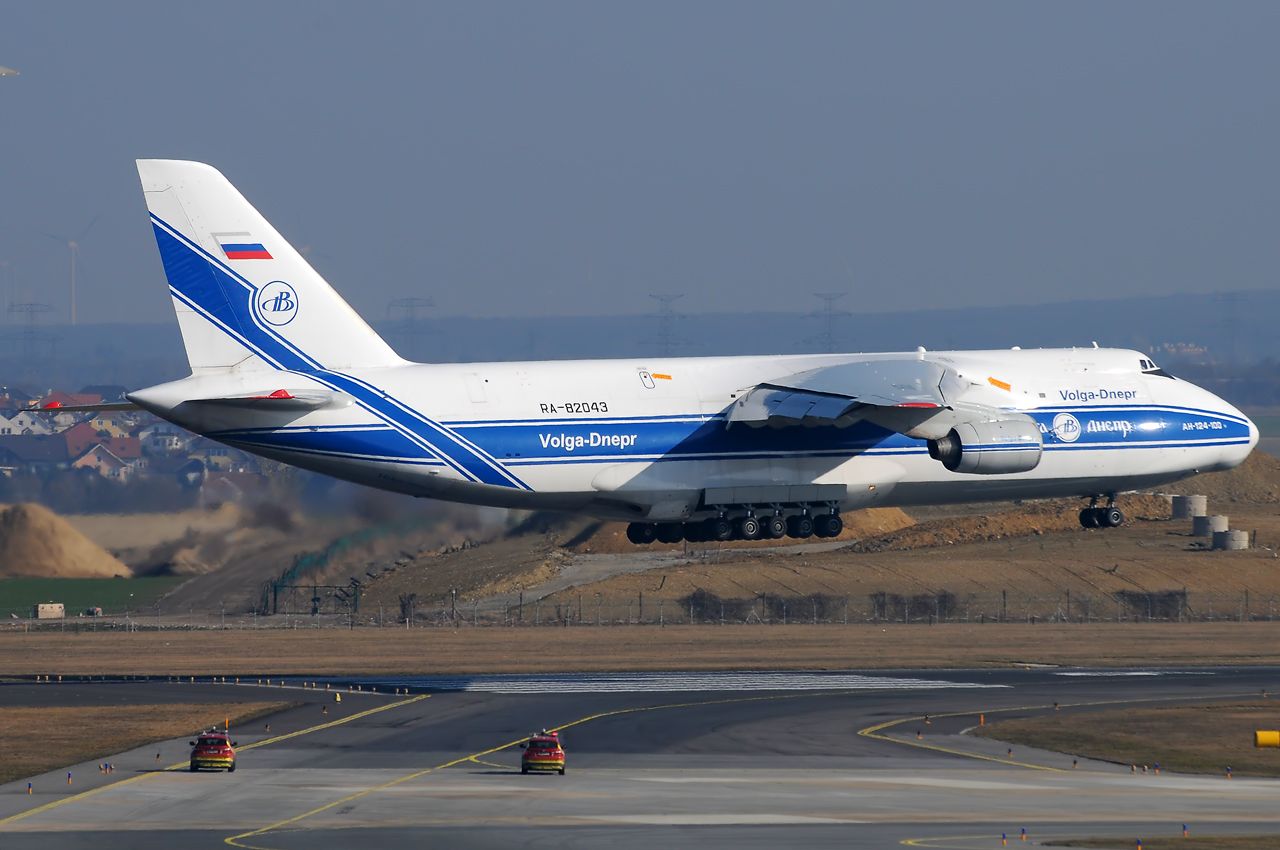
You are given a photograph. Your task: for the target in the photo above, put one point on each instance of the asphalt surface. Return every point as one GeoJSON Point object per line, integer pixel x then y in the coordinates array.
{"type": "Point", "coordinates": [717, 760]}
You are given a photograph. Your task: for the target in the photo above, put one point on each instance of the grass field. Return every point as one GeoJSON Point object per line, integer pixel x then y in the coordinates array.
{"type": "Point", "coordinates": [1198, 738]}
{"type": "Point", "coordinates": [112, 595]}
{"type": "Point", "coordinates": [390, 651]}
{"type": "Point", "coordinates": [35, 740]}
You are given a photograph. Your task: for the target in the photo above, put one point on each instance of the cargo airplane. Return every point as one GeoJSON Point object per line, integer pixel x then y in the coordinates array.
{"type": "Point", "coordinates": [699, 448]}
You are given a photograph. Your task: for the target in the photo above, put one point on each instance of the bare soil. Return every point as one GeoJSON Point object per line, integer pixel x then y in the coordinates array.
{"type": "Point", "coordinates": [37, 543]}
{"type": "Point", "coordinates": [426, 651]}
{"type": "Point", "coordinates": [35, 740]}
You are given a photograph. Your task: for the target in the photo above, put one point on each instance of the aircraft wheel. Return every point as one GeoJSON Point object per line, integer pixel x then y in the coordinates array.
{"type": "Point", "coordinates": [669, 532]}
{"type": "Point", "coordinates": [695, 532]}
{"type": "Point", "coordinates": [749, 528]}
{"type": "Point", "coordinates": [775, 527]}
{"type": "Point", "coordinates": [642, 533]}
{"type": "Point", "coordinates": [719, 529]}
{"type": "Point", "coordinates": [800, 527]}
{"type": "Point", "coordinates": [1089, 518]}
{"type": "Point", "coordinates": [829, 525]}
{"type": "Point", "coordinates": [1111, 517]}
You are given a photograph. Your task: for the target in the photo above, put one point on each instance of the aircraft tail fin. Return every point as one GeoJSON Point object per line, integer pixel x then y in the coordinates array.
{"type": "Point", "coordinates": [245, 298]}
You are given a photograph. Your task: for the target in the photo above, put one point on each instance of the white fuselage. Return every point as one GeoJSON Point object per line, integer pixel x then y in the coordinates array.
{"type": "Point", "coordinates": [647, 438]}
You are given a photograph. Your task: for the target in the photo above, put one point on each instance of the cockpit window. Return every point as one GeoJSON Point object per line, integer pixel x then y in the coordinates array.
{"type": "Point", "coordinates": [1150, 368]}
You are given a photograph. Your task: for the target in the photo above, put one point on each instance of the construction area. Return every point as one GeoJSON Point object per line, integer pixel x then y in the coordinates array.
{"type": "Point", "coordinates": [237, 566]}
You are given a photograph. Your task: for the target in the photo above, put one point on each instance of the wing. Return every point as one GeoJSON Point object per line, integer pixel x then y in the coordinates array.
{"type": "Point", "coordinates": [917, 397]}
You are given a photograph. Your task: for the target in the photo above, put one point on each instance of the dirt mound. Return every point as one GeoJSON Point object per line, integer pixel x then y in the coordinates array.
{"type": "Point", "coordinates": [610, 538]}
{"type": "Point", "coordinates": [36, 542]}
{"type": "Point", "coordinates": [1257, 480]}
{"type": "Point", "coordinates": [1029, 519]}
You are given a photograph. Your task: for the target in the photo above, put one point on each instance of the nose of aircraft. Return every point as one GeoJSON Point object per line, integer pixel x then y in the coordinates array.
{"type": "Point", "coordinates": [1234, 455]}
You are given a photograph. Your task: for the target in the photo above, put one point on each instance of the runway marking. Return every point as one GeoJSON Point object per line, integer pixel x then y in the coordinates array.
{"type": "Point", "coordinates": [874, 731]}
{"type": "Point", "coordinates": [489, 763]}
{"type": "Point", "coordinates": [53, 804]}
{"type": "Point", "coordinates": [241, 839]}
{"type": "Point", "coordinates": [673, 682]}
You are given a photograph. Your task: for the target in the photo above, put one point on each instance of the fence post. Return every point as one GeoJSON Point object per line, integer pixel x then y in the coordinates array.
{"type": "Point", "coordinates": [662, 620]}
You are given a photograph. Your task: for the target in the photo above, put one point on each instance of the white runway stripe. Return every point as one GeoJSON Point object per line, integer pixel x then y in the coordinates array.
{"type": "Point", "coordinates": [594, 683]}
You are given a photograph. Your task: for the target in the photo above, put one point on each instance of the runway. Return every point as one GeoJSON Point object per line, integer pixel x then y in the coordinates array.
{"type": "Point", "coordinates": [720, 760]}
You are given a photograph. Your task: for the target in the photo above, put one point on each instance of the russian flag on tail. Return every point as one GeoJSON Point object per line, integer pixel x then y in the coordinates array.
{"type": "Point", "coordinates": [241, 246]}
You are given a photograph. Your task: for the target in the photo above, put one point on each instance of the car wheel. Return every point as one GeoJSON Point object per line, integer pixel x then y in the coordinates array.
{"type": "Point", "coordinates": [193, 767]}
{"type": "Point", "coordinates": [562, 771]}
{"type": "Point", "coordinates": [524, 769]}
{"type": "Point", "coordinates": [232, 769]}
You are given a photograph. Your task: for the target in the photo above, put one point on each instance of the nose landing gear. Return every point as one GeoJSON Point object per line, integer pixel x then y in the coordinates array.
{"type": "Point", "coordinates": [1105, 517]}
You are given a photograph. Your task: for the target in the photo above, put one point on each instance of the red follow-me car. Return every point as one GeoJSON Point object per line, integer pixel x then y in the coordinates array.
{"type": "Point", "coordinates": [213, 750]}
{"type": "Point", "coordinates": [543, 752]}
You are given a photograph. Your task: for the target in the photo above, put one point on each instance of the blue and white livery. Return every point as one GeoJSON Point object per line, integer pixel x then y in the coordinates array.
{"type": "Point", "coordinates": [694, 448]}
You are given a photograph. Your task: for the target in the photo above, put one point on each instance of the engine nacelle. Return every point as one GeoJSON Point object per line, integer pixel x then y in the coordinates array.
{"type": "Point", "coordinates": [990, 448]}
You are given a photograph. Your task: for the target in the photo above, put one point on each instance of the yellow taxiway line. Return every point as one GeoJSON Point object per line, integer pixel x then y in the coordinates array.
{"type": "Point", "coordinates": [53, 804]}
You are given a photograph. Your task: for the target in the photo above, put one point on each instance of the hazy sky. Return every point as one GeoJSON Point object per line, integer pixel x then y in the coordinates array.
{"type": "Point", "coordinates": [541, 158]}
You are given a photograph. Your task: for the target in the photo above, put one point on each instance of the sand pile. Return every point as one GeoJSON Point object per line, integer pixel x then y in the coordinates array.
{"type": "Point", "coordinates": [611, 537]}
{"type": "Point", "coordinates": [1029, 519]}
{"type": "Point", "coordinates": [1257, 480]}
{"type": "Point", "coordinates": [36, 542]}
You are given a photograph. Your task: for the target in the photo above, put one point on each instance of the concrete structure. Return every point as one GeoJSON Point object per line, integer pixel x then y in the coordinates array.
{"type": "Point", "coordinates": [1231, 541]}
{"type": "Point", "coordinates": [1186, 507]}
{"type": "Point", "coordinates": [49, 611]}
{"type": "Point", "coordinates": [1207, 526]}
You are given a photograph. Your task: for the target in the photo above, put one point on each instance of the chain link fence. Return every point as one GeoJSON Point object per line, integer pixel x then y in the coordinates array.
{"type": "Point", "coordinates": [703, 608]}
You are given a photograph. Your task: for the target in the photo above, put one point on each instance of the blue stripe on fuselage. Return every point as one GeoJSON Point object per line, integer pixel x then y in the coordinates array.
{"type": "Point", "coordinates": [646, 439]}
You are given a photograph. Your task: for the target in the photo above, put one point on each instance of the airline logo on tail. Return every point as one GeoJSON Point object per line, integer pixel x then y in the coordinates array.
{"type": "Point", "coordinates": [278, 303]}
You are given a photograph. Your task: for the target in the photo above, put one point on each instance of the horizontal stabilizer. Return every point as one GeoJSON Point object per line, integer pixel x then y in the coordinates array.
{"type": "Point", "coordinates": [59, 407]}
{"type": "Point", "coordinates": [279, 400]}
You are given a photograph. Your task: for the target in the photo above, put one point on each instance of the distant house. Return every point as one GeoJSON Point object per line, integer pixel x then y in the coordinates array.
{"type": "Point", "coordinates": [114, 424]}
{"type": "Point", "coordinates": [102, 461]}
{"type": "Point", "coordinates": [29, 422]}
{"type": "Point", "coordinates": [162, 438]}
{"type": "Point", "coordinates": [32, 453]}
{"type": "Point", "coordinates": [107, 392]}
{"type": "Point", "coordinates": [81, 437]}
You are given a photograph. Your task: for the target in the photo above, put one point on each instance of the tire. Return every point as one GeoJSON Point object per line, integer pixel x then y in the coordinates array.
{"type": "Point", "coordinates": [749, 528]}
{"type": "Point", "coordinates": [775, 527]}
{"type": "Point", "coordinates": [232, 768]}
{"type": "Point", "coordinates": [193, 768]}
{"type": "Point", "coordinates": [718, 529]}
{"type": "Point", "coordinates": [829, 525]}
{"type": "Point", "coordinates": [1111, 518]}
{"type": "Point", "coordinates": [562, 771]}
{"type": "Point", "coordinates": [669, 532]}
{"type": "Point", "coordinates": [800, 527]}
{"type": "Point", "coordinates": [1089, 518]}
{"type": "Point", "coordinates": [642, 533]}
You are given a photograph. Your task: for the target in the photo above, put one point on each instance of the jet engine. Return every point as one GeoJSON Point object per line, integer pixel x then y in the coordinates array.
{"type": "Point", "coordinates": [990, 448]}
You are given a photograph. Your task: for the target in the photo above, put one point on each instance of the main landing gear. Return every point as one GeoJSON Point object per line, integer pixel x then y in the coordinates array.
{"type": "Point", "coordinates": [772, 524]}
{"type": "Point", "coordinates": [1105, 517]}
